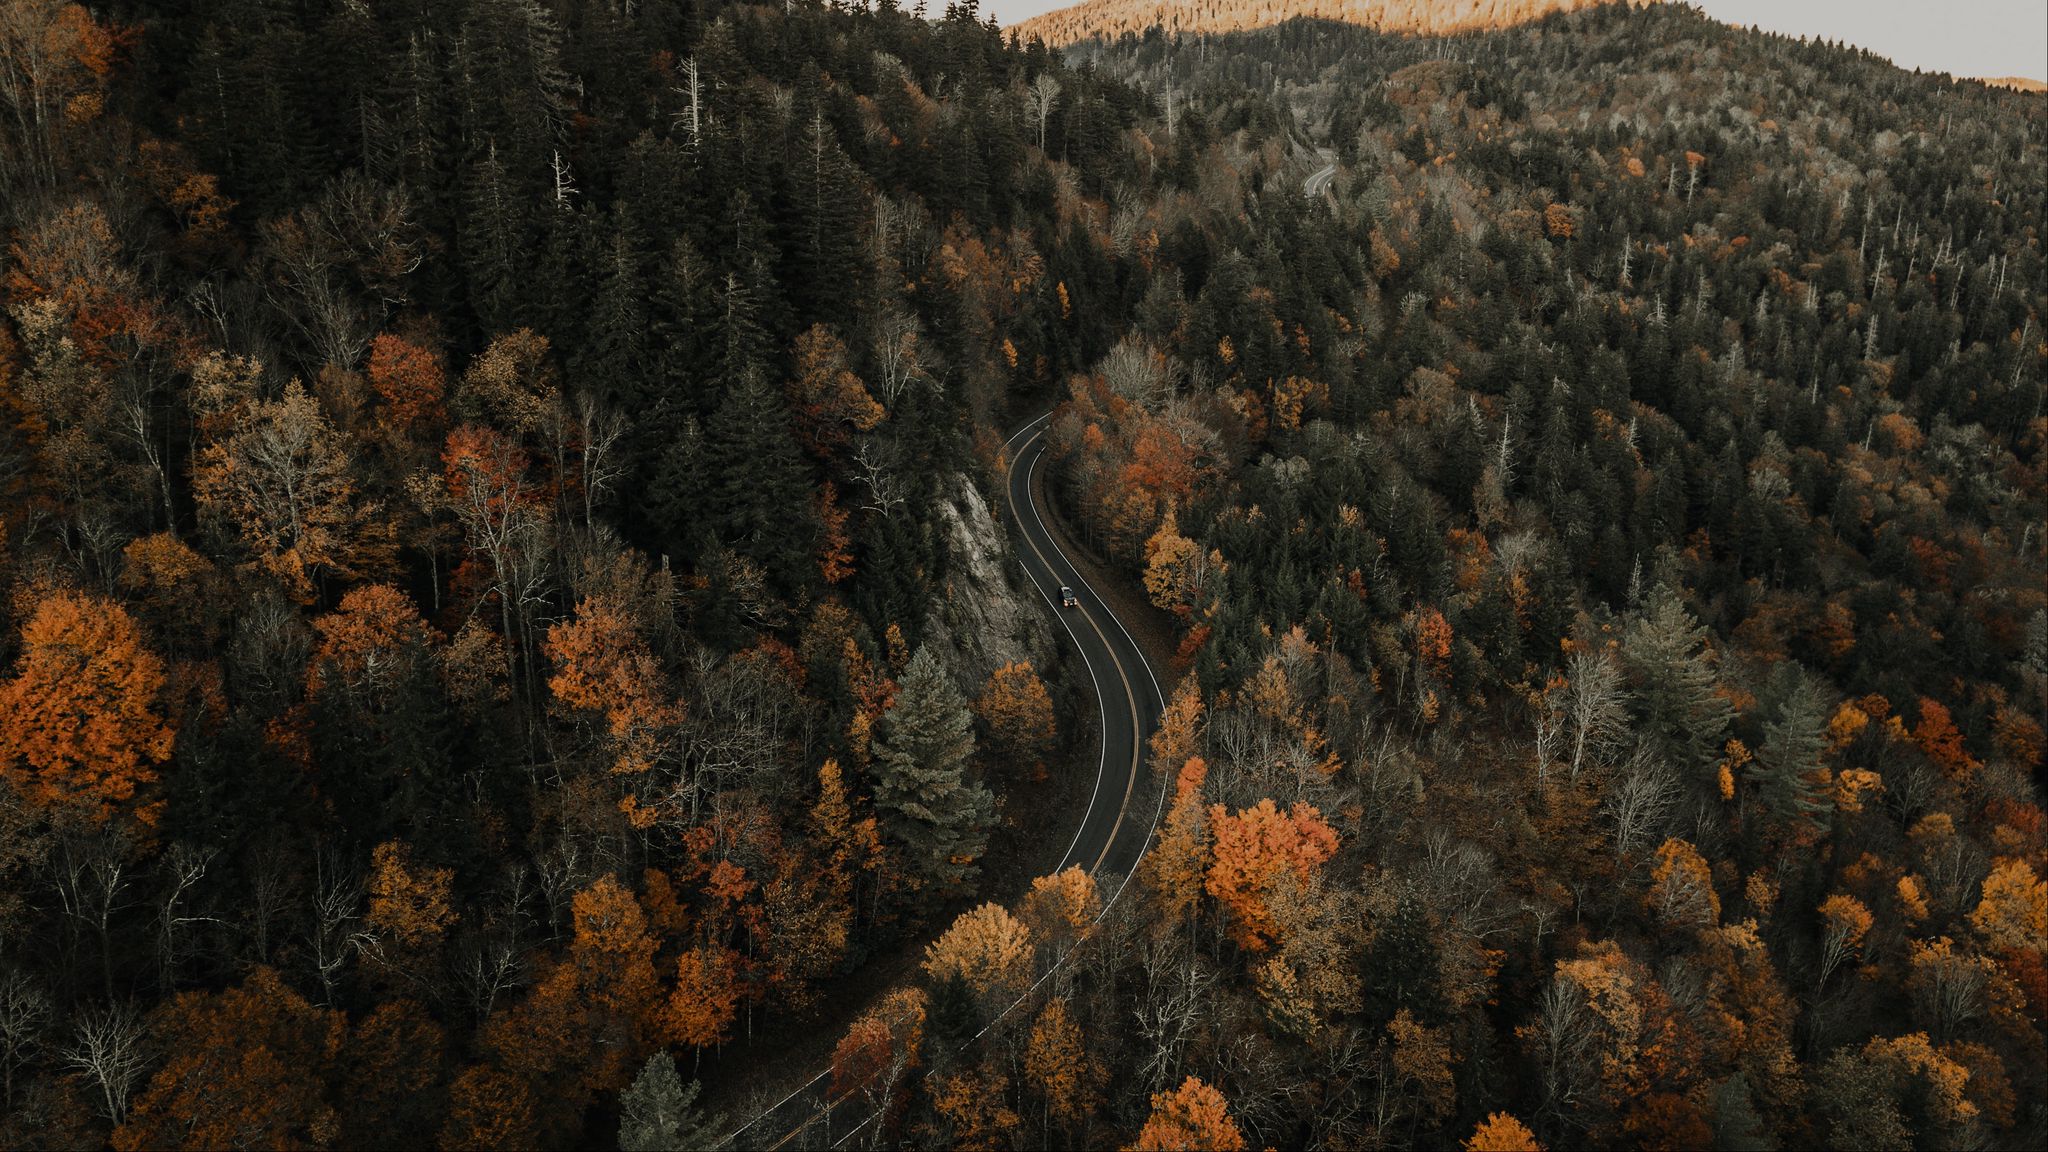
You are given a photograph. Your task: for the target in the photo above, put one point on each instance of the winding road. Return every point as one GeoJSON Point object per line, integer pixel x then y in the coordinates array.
{"type": "Point", "coordinates": [1114, 830]}
{"type": "Point", "coordinates": [1318, 182]}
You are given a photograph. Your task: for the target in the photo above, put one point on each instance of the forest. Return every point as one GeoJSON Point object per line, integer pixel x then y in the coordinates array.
{"type": "Point", "coordinates": [496, 547]}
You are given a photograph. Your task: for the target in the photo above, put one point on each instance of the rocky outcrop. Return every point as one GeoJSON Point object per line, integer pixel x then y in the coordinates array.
{"type": "Point", "coordinates": [986, 613]}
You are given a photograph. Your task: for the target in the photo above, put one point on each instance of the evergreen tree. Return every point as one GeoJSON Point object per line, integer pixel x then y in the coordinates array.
{"type": "Point", "coordinates": [658, 1112]}
{"type": "Point", "coordinates": [829, 198]}
{"type": "Point", "coordinates": [1672, 676]}
{"type": "Point", "coordinates": [759, 486]}
{"type": "Point", "coordinates": [921, 786]}
{"type": "Point", "coordinates": [614, 363]}
{"type": "Point", "coordinates": [1787, 767]}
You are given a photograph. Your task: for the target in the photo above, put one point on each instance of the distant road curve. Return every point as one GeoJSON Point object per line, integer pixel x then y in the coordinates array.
{"type": "Point", "coordinates": [1111, 836]}
{"type": "Point", "coordinates": [1318, 181]}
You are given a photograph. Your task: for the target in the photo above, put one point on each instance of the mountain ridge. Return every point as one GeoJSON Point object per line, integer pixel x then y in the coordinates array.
{"type": "Point", "coordinates": [1109, 19]}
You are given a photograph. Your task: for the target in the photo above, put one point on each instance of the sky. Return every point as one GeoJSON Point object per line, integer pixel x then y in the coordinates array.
{"type": "Point", "coordinates": [1965, 37]}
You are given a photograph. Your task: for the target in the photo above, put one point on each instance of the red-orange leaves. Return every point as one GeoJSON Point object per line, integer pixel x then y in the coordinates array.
{"type": "Point", "coordinates": [1192, 1116]}
{"type": "Point", "coordinates": [410, 380]}
{"type": "Point", "coordinates": [78, 723]}
{"type": "Point", "coordinates": [604, 666]}
{"type": "Point", "coordinates": [1254, 846]}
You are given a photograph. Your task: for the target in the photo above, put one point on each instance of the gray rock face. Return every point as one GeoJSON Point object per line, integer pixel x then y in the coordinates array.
{"type": "Point", "coordinates": [980, 619]}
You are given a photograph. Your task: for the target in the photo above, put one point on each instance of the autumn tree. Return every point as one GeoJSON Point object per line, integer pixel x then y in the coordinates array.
{"type": "Point", "coordinates": [613, 954]}
{"type": "Point", "coordinates": [246, 1068]}
{"type": "Point", "coordinates": [974, 1102]}
{"type": "Point", "coordinates": [1059, 1068]}
{"type": "Point", "coordinates": [1175, 569]}
{"type": "Point", "coordinates": [1682, 895]}
{"type": "Point", "coordinates": [2012, 911]}
{"type": "Point", "coordinates": [1176, 867]}
{"type": "Point", "coordinates": [1061, 910]}
{"type": "Point", "coordinates": [489, 1107]}
{"type": "Point", "coordinates": [987, 948]}
{"type": "Point", "coordinates": [1192, 1116]}
{"type": "Point", "coordinates": [880, 1048]}
{"type": "Point", "coordinates": [393, 1069]}
{"type": "Point", "coordinates": [81, 728]}
{"type": "Point", "coordinates": [1938, 737]}
{"type": "Point", "coordinates": [705, 1000]}
{"type": "Point", "coordinates": [281, 480]}
{"type": "Point", "coordinates": [410, 907]}
{"type": "Point", "coordinates": [380, 732]}
{"type": "Point", "coordinates": [1253, 846]}
{"type": "Point", "coordinates": [1500, 1132]}
{"type": "Point", "coordinates": [411, 382]}
{"type": "Point", "coordinates": [1844, 923]}
{"type": "Point", "coordinates": [828, 402]}
{"type": "Point", "coordinates": [921, 783]}
{"type": "Point", "coordinates": [605, 669]}
{"type": "Point", "coordinates": [1018, 712]}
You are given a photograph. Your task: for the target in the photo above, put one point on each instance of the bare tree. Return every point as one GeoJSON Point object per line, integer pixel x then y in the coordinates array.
{"type": "Point", "coordinates": [1045, 92]}
{"type": "Point", "coordinates": [24, 1016]}
{"type": "Point", "coordinates": [111, 1054]}
{"type": "Point", "coordinates": [877, 475]}
{"type": "Point", "coordinates": [92, 876]}
{"type": "Point", "coordinates": [184, 867]}
{"type": "Point", "coordinates": [896, 340]}
{"type": "Point", "coordinates": [334, 936]}
{"type": "Point", "coordinates": [694, 89]}
{"type": "Point", "coordinates": [1640, 803]}
{"type": "Point", "coordinates": [1137, 373]}
{"type": "Point", "coordinates": [1594, 704]}
{"type": "Point", "coordinates": [602, 469]}
{"type": "Point", "coordinates": [1177, 983]}
{"type": "Point", "coordinates": [1566, 1037]}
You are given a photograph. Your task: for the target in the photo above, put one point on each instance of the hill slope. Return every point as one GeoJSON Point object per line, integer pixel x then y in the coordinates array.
{"type": "Point", "coordinates": [1109, 19]}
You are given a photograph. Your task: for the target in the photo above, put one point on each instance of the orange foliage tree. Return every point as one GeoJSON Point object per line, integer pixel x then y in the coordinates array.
{"type": "Point", "coordinates": [245, 1068]}
{"type": "Point", "coordinates": [1175, 867]}
{"type": "Point", "coordinates": [1192, 1116]}
{"type": "Point", "coordinates": [1060, 910]}
{"type": "Point", "coordinates": [986, 947]}
{"type": "Point", "coordinates": [2012, 911]}
{"type": "Point", "coordinates": [1252, 847]}
{"type": "Point", "coordinates": [409, 903]}
{"type": "Point", "coordinates": [1018, 711]}
{"type": "Point", "coordinates": [282, 481]}
{"type": "Point", "coordinates": [1057, 1064]}
{"type": "Point", "coordinates": [604, 666]}
{"type": "Point", "coordinates": [828, 402]}
{"type": "Point", "coordinates": [880, 1047]}
{"type": "Point", "coordinates": [706, 997]}
{"type": "Point", "coordinates": [410, 380]}
{"type": "Point", "coordinates": [79, 727]}
{"type": "Point", "coordinates": [1937, 736]}
{"type": "Point", "coordinates": [1501, 1132]}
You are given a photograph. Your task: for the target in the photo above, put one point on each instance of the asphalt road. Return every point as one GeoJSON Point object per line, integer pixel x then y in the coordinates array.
{"type": "Point", "coordinates": [1113, 830]}
{"type": "Point", "coordinates": [1318, 182]}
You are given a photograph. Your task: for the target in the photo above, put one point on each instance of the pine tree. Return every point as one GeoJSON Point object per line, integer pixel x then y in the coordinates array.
{"type": "Point", "coordinates": [1788, 766]}
{"type": "Point", "coordinates": [614, 363]}
{"type": "Point", "coordinates": [830, 198]}
{"type": "Point", "coordinates": [1672, 676]}
{"type": "Point", "coordinates": [760, 489]}
{"type": "Point", "coordinates": [921, 785]}
{"type": "Point", "coordinates": [658, 1112]}
{"type": "Point", "coordinates": [492, 238]}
